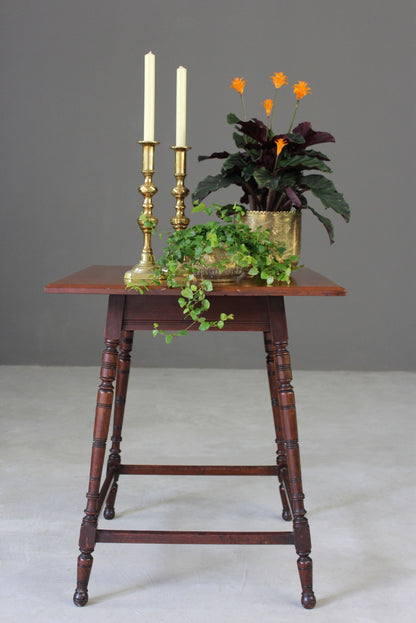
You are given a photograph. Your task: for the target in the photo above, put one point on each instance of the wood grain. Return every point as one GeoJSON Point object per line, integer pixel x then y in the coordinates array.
{"type": "Point", "coordinates": [100, 279]}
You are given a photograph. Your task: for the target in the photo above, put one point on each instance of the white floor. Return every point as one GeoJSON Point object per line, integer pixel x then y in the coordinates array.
{"type": "Point", "coordinates": [357, 434]}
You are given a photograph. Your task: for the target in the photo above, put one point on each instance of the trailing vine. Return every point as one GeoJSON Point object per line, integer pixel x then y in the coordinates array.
{"type": "Point", "coordinates": [187, 251]}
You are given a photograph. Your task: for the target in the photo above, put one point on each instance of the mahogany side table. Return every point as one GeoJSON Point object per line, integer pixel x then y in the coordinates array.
{"type": "Point", "coordinates": [255, 308]}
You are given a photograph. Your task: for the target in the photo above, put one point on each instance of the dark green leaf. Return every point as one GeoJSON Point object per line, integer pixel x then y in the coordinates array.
{"type": "Point", "coordinates": [232, 118]}
{"type": "Point", "coordinates": [326, 192]}
{"type": "Point", "coordinates": [209, 185]}
{"type": "Point", "coordinates": [265, 179]}
{"type": "Point", "coordinates": [316, 154]}
{"type": "Point", "coordinates": [304, 162]}
{"type": "Point", "coordinates": [326, 223]}
{"type": "Point", "coordinates": [216, 154]}
{"type": "Point", "coordinates": [247, 172]}
{"type": "Point", "coordinates": [239, 140]}
{"type": "Point", "coordinates": [233, 160]}
{"type": "Point", "coordinates": [293, 138]}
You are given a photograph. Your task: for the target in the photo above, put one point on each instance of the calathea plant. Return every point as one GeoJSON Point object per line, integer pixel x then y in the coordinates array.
{"type": "Point", "coordinates": [275, 169]}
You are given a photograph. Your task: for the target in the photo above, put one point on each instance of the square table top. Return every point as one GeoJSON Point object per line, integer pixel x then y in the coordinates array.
{"type": "Point", "coordinates": [100, 279]}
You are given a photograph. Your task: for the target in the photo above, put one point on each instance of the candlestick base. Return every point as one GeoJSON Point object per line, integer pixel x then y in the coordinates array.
{"type": "Point", "coordinates": [143, 270]}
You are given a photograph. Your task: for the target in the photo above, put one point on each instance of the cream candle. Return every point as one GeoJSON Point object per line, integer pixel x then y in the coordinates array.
{"type": "Point", "coordinates": [181, 107]}
{"type": "Point", "coordinates": [149, 97]}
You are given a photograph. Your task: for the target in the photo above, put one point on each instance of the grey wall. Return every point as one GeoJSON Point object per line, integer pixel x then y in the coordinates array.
{"type": "Point", "coordinates": [71, 113]}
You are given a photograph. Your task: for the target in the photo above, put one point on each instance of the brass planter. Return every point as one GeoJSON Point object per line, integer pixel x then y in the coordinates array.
{"type": "Point", "coordinates": [229, 274]}
{"type": "Point", "coordinates": [285, 227]}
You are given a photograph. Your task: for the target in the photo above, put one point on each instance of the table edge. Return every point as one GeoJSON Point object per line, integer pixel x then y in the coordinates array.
{"type": "Point", "coordinates": [77, 283]}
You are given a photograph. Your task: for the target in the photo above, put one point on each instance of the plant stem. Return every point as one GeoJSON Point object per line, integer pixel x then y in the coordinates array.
{"type": "Point", "coordinates": [293, 117]}
{"type": "Point", "coordinates": [273, 111]}
{"type": "Point", "coordinates": [244, 108]}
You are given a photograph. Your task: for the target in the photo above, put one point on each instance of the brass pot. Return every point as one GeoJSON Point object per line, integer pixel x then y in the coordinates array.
{"type": "Point", "coordinates": [285, 227]}
{"type": "Point", "coordinates": [230, 273]}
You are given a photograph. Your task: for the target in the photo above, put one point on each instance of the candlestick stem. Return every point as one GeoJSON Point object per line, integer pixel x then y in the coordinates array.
{"type": "Point", "coordinates": [143, 271]}
{"type": "Point", "coordinates": [180, 221]}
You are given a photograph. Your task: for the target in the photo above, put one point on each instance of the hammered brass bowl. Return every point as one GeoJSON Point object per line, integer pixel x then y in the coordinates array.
{"type": "Point", "coordinates": [284, 227]}
{"type": "Point", "coordinates": [229, 274]}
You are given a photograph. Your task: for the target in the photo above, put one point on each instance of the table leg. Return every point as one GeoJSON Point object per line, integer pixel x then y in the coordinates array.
{"type": "Point", "coordinates": [123, 370]}
{"type": "Point", "coordinates": [281, 452]}
{"type": "Point", "coordinates": [102, 422]}
{"type": "Point", "coordinates": [287, 407]}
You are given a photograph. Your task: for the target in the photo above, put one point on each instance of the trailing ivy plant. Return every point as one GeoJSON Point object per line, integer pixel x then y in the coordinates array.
{"type": "Point", "coordinates": [186, 252]}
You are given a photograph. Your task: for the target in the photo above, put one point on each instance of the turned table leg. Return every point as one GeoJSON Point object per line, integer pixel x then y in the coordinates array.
{"type": "Point", "coordinates": [287, 407]}
{"type": "Point", "coordinates": [123, 370]}
{"type": "Point", "coordinates": [281, 452]}
{"type": "Point", "coordinates": [101, 426]}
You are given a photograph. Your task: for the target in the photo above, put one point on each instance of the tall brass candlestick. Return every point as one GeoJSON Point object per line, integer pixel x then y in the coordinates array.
{"type": "Point", "coordinates": [146, 221]}
{"type": "Point", "coordinates": [180, 221]}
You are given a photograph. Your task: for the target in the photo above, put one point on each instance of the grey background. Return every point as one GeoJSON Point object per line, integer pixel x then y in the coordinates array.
{"type": "Point", "coordinates": [71, 113]}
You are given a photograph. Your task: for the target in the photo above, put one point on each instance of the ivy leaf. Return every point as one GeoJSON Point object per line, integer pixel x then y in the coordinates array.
{"type": "Point", "coordinates": [168, 338]}
{"type": "Point", "coordinates": [207, 285]}
{"type": "Point", "coordinates": [187, 293]}
{"type": "Point", "coordinates": [326, 192]}
{"type": "Point", "coordinates": [326, 223]}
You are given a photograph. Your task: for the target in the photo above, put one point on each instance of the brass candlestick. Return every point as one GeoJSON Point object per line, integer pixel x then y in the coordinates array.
{"type": "Point", "coordinates": [146, 221]}
{"type": "Point", "coordinates": [180, 221]}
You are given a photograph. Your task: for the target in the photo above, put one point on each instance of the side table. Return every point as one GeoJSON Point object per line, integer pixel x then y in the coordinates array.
{"type": "Point", "coordinates": [255, 308]}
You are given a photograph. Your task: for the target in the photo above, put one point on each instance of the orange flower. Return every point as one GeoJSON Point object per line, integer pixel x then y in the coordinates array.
{"type": "Point", "coordinates": [280, 143]}
{"type": "Point", "coordinates": [300, 89]}
{"type": "Point", "coordinates": [238, 84]}
{"type": "Point", "coordinates": [278, 79]}
{"type": "Point", "coordinates": [268, 104]}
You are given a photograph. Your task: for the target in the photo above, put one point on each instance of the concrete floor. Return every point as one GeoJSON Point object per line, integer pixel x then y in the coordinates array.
{"type": "Point", "coordinates": [357, 434]}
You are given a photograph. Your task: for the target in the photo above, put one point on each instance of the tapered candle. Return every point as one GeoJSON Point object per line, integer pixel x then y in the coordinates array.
{"type": "Point", "coordinates": [181, 107]}
{"type": "Point", "coordinates": [149, 97]}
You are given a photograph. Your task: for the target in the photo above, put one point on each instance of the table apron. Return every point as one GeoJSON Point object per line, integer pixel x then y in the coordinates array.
{"type": "Point", "coordinates": [140, 313]}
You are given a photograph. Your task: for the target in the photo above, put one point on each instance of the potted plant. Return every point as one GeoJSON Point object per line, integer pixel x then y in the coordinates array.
{"type": "Point", "coordinates": [273, 169]}
{"type": "Point", "coordinates": [195, 258]}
